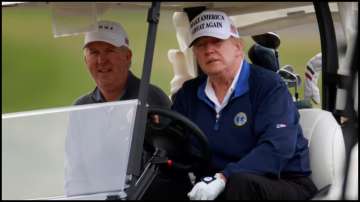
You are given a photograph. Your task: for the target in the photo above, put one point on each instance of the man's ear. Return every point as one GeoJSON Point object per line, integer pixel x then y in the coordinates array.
{"type": "Point", "coordinates": [129, 55]}
{"type": "Point", "coordinates": [241, 43]}
{"type": "Point", "coordinates": [84, 53]}
{"type": "Point", "coordinates": [85, 61]}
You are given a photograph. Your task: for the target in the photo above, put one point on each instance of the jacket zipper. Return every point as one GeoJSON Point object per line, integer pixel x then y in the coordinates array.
{"type": "Point", "coordinates": [217, 125]}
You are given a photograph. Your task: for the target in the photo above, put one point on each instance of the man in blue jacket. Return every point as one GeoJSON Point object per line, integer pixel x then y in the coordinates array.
{"type": "Point", "coordinates": [249, 117]}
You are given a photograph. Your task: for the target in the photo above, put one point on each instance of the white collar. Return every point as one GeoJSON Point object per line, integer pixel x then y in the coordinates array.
{"type": "Point", "coordinates": [210, 93]}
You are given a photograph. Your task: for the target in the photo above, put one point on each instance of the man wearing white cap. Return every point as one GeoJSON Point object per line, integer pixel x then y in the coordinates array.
{"type": "Point", "coordinates": [108, 59]}
{"type": "Point", "coordinates": [249, 118]}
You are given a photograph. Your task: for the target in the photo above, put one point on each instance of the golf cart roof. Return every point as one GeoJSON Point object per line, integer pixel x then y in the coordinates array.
{"type": "Point", "coordinates": [250, 17]}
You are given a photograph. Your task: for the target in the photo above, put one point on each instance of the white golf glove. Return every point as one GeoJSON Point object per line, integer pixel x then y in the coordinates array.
{"type": "Point", "coordinates": [208, 188]}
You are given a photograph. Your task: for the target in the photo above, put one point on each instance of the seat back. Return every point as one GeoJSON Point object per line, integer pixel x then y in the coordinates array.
{"type": "Point", "coordinates": [326, 146]}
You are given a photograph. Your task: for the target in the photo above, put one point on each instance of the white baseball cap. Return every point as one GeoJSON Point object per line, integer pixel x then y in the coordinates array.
{"type": "Point", "coordinates": [108, 31]}
{"type": "Point", "coordinates": [212, 23]}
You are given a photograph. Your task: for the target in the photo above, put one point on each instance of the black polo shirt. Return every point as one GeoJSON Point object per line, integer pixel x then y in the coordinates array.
{"type": "Point", "coordinates": [156, 96]}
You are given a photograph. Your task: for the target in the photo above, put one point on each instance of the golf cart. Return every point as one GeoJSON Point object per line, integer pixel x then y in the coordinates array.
{"type": "Point", "coordinates": [333, 157]}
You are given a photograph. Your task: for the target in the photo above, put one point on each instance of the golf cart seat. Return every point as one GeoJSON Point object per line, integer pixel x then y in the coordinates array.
{"type": "Point", "coordinates": [326, 147]}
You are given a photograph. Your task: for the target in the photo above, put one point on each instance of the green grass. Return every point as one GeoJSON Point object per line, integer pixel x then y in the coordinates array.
{"type": "Point", "coordinates": [40, 71]}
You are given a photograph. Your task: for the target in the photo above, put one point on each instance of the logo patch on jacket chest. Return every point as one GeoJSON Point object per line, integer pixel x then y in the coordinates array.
{"type": "Point", "coordinates": [240, 119]}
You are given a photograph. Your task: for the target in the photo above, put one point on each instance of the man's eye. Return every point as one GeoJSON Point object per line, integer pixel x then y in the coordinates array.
{"type": "Point", "coordinates": [199, 45]}
{"type": "Point", "coordinates": [93, 52]}
{"type": "Point", "coordinates": [110, 50]}
{"type": "Point", "coordinates": [217, 41]}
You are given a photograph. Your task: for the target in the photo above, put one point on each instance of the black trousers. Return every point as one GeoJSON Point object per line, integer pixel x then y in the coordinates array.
{"type": "Point", "coordinates": [168, 186]}
{"type": "Point", "coordinates": [246, 186]}
{"type": "Point", "coordinates": [240, 186]}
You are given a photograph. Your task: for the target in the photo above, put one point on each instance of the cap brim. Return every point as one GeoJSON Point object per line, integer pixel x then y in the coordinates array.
{"type": "Point", "coordinates": [100, 40]}
{"type": "Point", "coordinates": [96, 36]}
{"type": "Point", "coordinates": [210, 34]}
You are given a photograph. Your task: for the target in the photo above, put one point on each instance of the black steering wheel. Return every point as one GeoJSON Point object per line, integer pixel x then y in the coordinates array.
{"type": "Point", "coordinates": [183, 142]}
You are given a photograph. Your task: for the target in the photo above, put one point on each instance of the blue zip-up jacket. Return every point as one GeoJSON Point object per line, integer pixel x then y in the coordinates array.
{"type": "Point", "coordinates": [258, 130]}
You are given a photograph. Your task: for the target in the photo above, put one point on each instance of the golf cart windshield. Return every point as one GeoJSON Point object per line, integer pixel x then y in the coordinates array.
{"type": "Point", "coordinates": [95, 156]}
{"type": "Point", "coordinates": [34, 152]}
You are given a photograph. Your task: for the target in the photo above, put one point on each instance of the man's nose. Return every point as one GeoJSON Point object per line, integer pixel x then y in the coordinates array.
{"type": "Point", "coordinates": [102, 58]}
{"type": "Point", "coordinates": [209, 47]}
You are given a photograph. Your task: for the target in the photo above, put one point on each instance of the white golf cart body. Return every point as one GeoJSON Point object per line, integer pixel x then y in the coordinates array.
{"type": "Point", "coordinates": [42, 132]}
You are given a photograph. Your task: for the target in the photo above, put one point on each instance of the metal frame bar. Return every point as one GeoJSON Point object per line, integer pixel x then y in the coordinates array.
{"type": "Point", "coordinates": [133, 170]}
{"type": "Point", "coordinates": [329, 54]}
